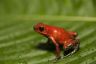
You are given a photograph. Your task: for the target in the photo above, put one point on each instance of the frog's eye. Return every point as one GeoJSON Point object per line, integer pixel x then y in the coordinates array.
{"type": "Point", "coordinates": [41, 28]}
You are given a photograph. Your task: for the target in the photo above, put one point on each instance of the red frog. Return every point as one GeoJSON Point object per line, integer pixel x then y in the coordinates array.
{"type": "Point", "coordinates": [59, 36]}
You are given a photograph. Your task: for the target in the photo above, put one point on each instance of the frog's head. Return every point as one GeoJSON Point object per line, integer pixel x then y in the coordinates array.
{"type": "Point", "coordinates": [40, 28]}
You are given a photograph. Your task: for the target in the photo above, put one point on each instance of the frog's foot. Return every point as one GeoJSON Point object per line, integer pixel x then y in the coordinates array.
{"type": "Point", "coordinates": [71, 49]}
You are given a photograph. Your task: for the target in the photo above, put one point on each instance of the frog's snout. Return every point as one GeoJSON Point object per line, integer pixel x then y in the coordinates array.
{"type": "Point", "coordinates": [38, 27]}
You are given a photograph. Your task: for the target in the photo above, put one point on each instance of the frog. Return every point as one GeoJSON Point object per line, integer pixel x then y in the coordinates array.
{"type": "Point", "coordinates": [59, 36]}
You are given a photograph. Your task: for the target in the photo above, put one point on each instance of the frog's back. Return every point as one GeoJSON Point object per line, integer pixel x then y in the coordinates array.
{"type": "Point", "coordinates": [57, 32]}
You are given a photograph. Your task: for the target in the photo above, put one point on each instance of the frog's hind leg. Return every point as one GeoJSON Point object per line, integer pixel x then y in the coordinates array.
{"type": "Point", "coordinates": [71, 49]}
{"type": "Point", "coordinates": [76, 48]}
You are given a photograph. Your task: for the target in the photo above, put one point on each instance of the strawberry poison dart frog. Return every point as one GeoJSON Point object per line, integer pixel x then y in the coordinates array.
{"type": "Point", "coordinates": [59, 36]}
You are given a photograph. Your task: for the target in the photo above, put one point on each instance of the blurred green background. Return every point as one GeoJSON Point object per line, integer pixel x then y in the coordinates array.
{"type": "Point", "coordinates": [19, 43]}
{"type": "Point", "coordinates": [49, 7]}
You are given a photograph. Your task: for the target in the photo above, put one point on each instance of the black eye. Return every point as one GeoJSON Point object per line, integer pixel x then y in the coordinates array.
{"type": "Point", "coordinates": [41, 28]}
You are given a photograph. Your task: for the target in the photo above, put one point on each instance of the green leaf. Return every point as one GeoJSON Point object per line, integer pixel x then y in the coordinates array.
{"type": "Point", "coordinates": [19, 42]}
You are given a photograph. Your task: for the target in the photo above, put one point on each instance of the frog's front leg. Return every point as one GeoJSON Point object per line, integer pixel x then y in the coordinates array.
{"type": "Point", "coordinates": [57, 48]}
